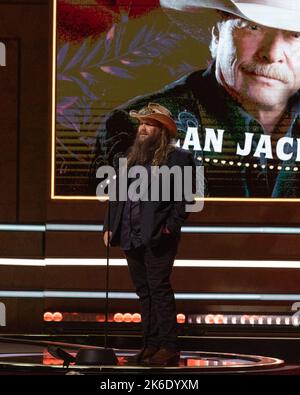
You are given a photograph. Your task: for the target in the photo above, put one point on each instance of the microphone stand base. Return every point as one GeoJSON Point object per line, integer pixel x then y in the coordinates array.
{"type": "Point", "coordinates": [96, 356]}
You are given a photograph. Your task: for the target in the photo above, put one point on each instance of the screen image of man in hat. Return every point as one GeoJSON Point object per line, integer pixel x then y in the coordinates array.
{"type": "Point", "coordinates": [242, 112]}
{"type": "Point", "coordinates": [149, 231]}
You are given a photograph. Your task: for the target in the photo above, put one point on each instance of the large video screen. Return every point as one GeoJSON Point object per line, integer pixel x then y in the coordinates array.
{"type": "Point", "coordinates": [236, 108]}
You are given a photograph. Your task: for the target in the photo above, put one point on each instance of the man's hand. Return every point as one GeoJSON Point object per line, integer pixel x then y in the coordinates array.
{"type": "Point", "coordinates": [106, 238]}
{"type": "Point", "coordinates": [166, 231]}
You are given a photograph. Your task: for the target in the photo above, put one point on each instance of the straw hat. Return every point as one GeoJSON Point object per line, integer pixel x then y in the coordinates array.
{"type": "Point", "coordinates": [158, 113]}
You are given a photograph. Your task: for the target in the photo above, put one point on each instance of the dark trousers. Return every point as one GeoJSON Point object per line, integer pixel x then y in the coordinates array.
{"type": "Point", "coordinates": [150, 269]}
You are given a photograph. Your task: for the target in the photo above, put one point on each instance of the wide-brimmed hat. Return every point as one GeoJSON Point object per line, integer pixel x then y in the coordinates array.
{"type": "Point", "coordinates": [279, 14]}
{"type": "Point", "coordinates": [158, 113]}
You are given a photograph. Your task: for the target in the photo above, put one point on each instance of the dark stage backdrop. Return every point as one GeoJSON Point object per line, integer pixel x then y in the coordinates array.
{"type": "Point", "coordinates": [106, 54]}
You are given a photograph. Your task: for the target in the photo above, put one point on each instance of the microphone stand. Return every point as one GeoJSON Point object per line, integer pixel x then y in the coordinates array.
{"type": "Point", "coordinates": [107, 277]}
{"type": "Point", "coordinates": [109, 356]}
{"type": "Point", "coordinates": [100, 356]}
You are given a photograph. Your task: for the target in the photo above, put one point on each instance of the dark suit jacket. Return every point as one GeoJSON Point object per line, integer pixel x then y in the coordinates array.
{"type": "Point", "coordinates": [156, 214]}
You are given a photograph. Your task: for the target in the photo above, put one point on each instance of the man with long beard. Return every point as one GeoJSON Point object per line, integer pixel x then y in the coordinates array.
{"type": "Point", "coordinates": [149, 232]}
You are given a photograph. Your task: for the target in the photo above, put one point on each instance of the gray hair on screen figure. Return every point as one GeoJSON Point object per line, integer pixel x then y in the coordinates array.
{"type": "Point", "coordinates": [237, 22]}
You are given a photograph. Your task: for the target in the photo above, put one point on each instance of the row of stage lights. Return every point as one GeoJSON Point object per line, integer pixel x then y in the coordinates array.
{"type": "Point", "coordinates": [244, 319]}
{"type": "Point", "coordinates": [255, 165]}
{"type": "Point", "coordinates": [239, 164]}
{"type": "Point", "coordinates": [98, 317]}
{"type": "Point", "coordinates": [204, 319]}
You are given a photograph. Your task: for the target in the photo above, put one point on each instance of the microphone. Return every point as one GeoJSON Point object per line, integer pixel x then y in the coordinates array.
{"type": "Point", "coordinates": [59, 353]}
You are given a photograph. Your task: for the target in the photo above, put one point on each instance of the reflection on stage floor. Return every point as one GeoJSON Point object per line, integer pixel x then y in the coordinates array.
{"type": "Point", "coordinates": [34, 356]}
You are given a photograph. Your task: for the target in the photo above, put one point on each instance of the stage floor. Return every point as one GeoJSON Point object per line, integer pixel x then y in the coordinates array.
{"type": "Point", "coordinates": [33, 357]}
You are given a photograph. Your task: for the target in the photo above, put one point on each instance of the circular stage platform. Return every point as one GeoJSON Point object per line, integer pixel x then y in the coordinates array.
{"type": "Point", "coordinates": [31, 357]}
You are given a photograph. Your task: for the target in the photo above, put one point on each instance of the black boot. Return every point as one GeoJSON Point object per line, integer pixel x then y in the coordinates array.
{"type": "Point", "coordinates": [163, 357]}
{"type": "Point", "coordinates": [143, 354]}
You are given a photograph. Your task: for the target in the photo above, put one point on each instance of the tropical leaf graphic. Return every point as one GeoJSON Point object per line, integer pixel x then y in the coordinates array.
{"type": "Point", "coordinates": [91, 56]}
{"type": "Point", "coordinates": [62, 54]}
{"type": "Point", "coordinates": [136, 63]}
{"type": "Point", "coordinates": [77, 57]}
{"type": "Point", "coordinates": [99, 74]}
{"type": "Point", "coordinates": [138, 39]}
{"type": "Point", "coordinates": [182, 68]}
{"type": "Point", "coordinates": [118, 71]}
{"type": "Point", "coordinates": [111, 56]}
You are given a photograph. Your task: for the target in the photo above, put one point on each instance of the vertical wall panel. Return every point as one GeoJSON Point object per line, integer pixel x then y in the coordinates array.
{"type": "Point", "coordinates": [31, 24]}
{"type": "Point", "coordinates": [25, 29]}
{"type": "Point", "coordinates": [8, 130]}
